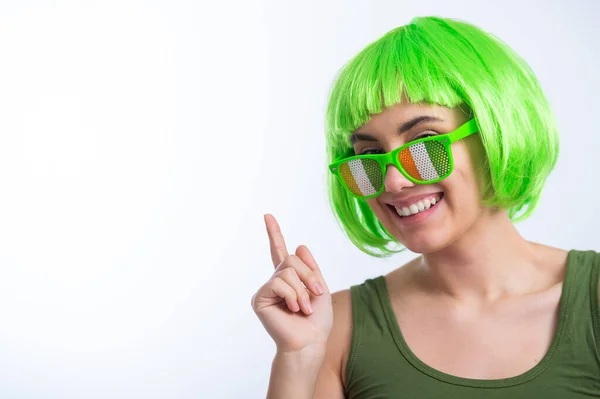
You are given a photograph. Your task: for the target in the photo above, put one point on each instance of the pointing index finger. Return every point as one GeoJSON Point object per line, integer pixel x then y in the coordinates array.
{"type": "Point", "coordinates": [276, 241]}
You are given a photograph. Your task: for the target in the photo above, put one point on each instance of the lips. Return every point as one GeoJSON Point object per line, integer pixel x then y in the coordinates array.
{"type": "Point", "coordinates": [421, 205]}
{"type": "Point", "coordinates": [416, 208]}
{"type": "Point", "coordinates": [407, 202]}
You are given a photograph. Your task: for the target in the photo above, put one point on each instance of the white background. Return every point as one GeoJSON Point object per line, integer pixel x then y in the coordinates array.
{"type": "Point", "coordinates": [142, 142]}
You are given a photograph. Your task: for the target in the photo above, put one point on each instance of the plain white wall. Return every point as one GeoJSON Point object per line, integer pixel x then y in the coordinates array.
{"type": "Point", "coordinates": [141, 142]}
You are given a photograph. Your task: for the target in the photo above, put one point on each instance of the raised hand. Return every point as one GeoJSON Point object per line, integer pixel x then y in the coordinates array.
{"type": "Point", "coordinates": [294, 305]}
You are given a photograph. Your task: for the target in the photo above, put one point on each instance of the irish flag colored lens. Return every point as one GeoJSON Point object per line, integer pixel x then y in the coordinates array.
{"type": "Point", "coordinates": [425, 161]}
{"type": "Point", "coordinates": [363, 177]}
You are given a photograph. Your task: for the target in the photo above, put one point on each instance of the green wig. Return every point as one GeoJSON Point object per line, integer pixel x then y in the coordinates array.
{"type": "Point", "coordinates": [451, 63]}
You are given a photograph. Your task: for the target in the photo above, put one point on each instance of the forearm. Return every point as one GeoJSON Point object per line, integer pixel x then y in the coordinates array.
{"type": "Point", "coordinates": [294, 375]}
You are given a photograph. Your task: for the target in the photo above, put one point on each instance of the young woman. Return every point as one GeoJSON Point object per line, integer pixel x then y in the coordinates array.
{"type": "Point", "coordinates": [439, 138]}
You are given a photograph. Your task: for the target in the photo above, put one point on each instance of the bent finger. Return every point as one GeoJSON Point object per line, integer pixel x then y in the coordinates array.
{"type": "Point", "coordinates": [307, 258]}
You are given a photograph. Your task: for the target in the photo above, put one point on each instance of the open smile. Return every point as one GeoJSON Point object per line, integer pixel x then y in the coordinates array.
{"type": "Point", "coordinates": [419, 209]}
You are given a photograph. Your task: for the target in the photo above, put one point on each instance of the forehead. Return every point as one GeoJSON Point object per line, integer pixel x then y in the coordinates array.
{"type": "Point", "coordinates": [392, 117]}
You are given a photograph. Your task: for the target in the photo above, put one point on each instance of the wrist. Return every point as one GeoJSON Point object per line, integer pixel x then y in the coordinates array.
{"type": "Point", "coordinates": [306, 358]}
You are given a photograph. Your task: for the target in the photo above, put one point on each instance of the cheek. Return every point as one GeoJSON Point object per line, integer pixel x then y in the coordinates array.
{"type": "Point", "coordinates": [462, 192]}
{"type": "Point", "coordinates": [475, 157]}
{"type": "Point", "coordinates": [377, 208]}
{"type": "Point", "coordinates": [382, 213]}
{"type": "Point", "coordinates": [468, 177]}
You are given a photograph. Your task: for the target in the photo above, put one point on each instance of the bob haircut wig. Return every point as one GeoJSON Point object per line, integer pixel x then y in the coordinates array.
{"type": "Point", "coordinates": [450, 63]}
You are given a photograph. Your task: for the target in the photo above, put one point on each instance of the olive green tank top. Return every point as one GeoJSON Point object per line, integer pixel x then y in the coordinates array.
{"type": "Point", "coordinates": [381, 365]}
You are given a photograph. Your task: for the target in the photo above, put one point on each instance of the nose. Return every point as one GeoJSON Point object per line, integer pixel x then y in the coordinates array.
{"type": "Point", "coordinates": [395, 181]}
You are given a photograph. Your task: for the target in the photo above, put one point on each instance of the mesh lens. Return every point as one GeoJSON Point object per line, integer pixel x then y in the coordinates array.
{"type": "Point", "coordinates": [425, 161]}
{"type": "Point", "coordinates": [363, 177]}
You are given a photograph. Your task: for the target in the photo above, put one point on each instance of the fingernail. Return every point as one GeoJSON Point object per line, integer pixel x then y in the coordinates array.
{"type": "Point", "coordinates": [319, 288]}
{"type": "Point", "coordinates": [308, 307]}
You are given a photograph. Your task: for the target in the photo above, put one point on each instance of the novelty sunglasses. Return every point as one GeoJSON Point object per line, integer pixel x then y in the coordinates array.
{"type": "Point", "coordinates": [423, 161]}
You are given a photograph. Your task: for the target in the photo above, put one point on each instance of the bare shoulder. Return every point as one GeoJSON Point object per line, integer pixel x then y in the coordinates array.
{"type": "Point", "coordinates": [551, 261]}
{"type": "Point", "coordinates": [341, 332]}
{"type": "Point", "coordinates": [549, 254]}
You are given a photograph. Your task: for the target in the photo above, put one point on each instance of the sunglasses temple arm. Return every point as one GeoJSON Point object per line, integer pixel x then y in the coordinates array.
{"type": "Point", "coordinates": [465, 130]}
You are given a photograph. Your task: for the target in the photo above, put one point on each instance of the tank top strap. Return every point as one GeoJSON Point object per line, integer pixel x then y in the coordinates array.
{"type": "Point", "coordinates": [582, 313]}
{"type": "Point", "coordinates": [595, 299]}
{"type": "Point", "coordinates": [369, 322]}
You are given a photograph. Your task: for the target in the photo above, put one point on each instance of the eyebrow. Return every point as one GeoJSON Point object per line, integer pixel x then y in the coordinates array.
{"type": "Point", "coordinates": [406, 126]}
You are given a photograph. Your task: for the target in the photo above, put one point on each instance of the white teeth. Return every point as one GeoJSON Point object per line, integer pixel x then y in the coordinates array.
{"type": "Point", "coordinates": [420, 206]}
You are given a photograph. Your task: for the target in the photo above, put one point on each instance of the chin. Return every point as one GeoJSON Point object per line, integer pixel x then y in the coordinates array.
{"type": "Point", "coordinates": [425, 245]}
{"type": "Point", "coordinates": [429, 238]}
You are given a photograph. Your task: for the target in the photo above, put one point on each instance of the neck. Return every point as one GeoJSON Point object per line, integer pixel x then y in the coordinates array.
{"type": "Point", "coordinates": [490, 261]}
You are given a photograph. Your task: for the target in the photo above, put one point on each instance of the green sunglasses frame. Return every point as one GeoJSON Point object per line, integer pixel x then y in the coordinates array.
{"type": "Point", "coordinates": [392, 158]}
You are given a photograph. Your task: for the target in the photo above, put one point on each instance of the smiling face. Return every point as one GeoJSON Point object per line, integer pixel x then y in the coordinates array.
{"type": "Point", "coordinates": [425, 217]}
